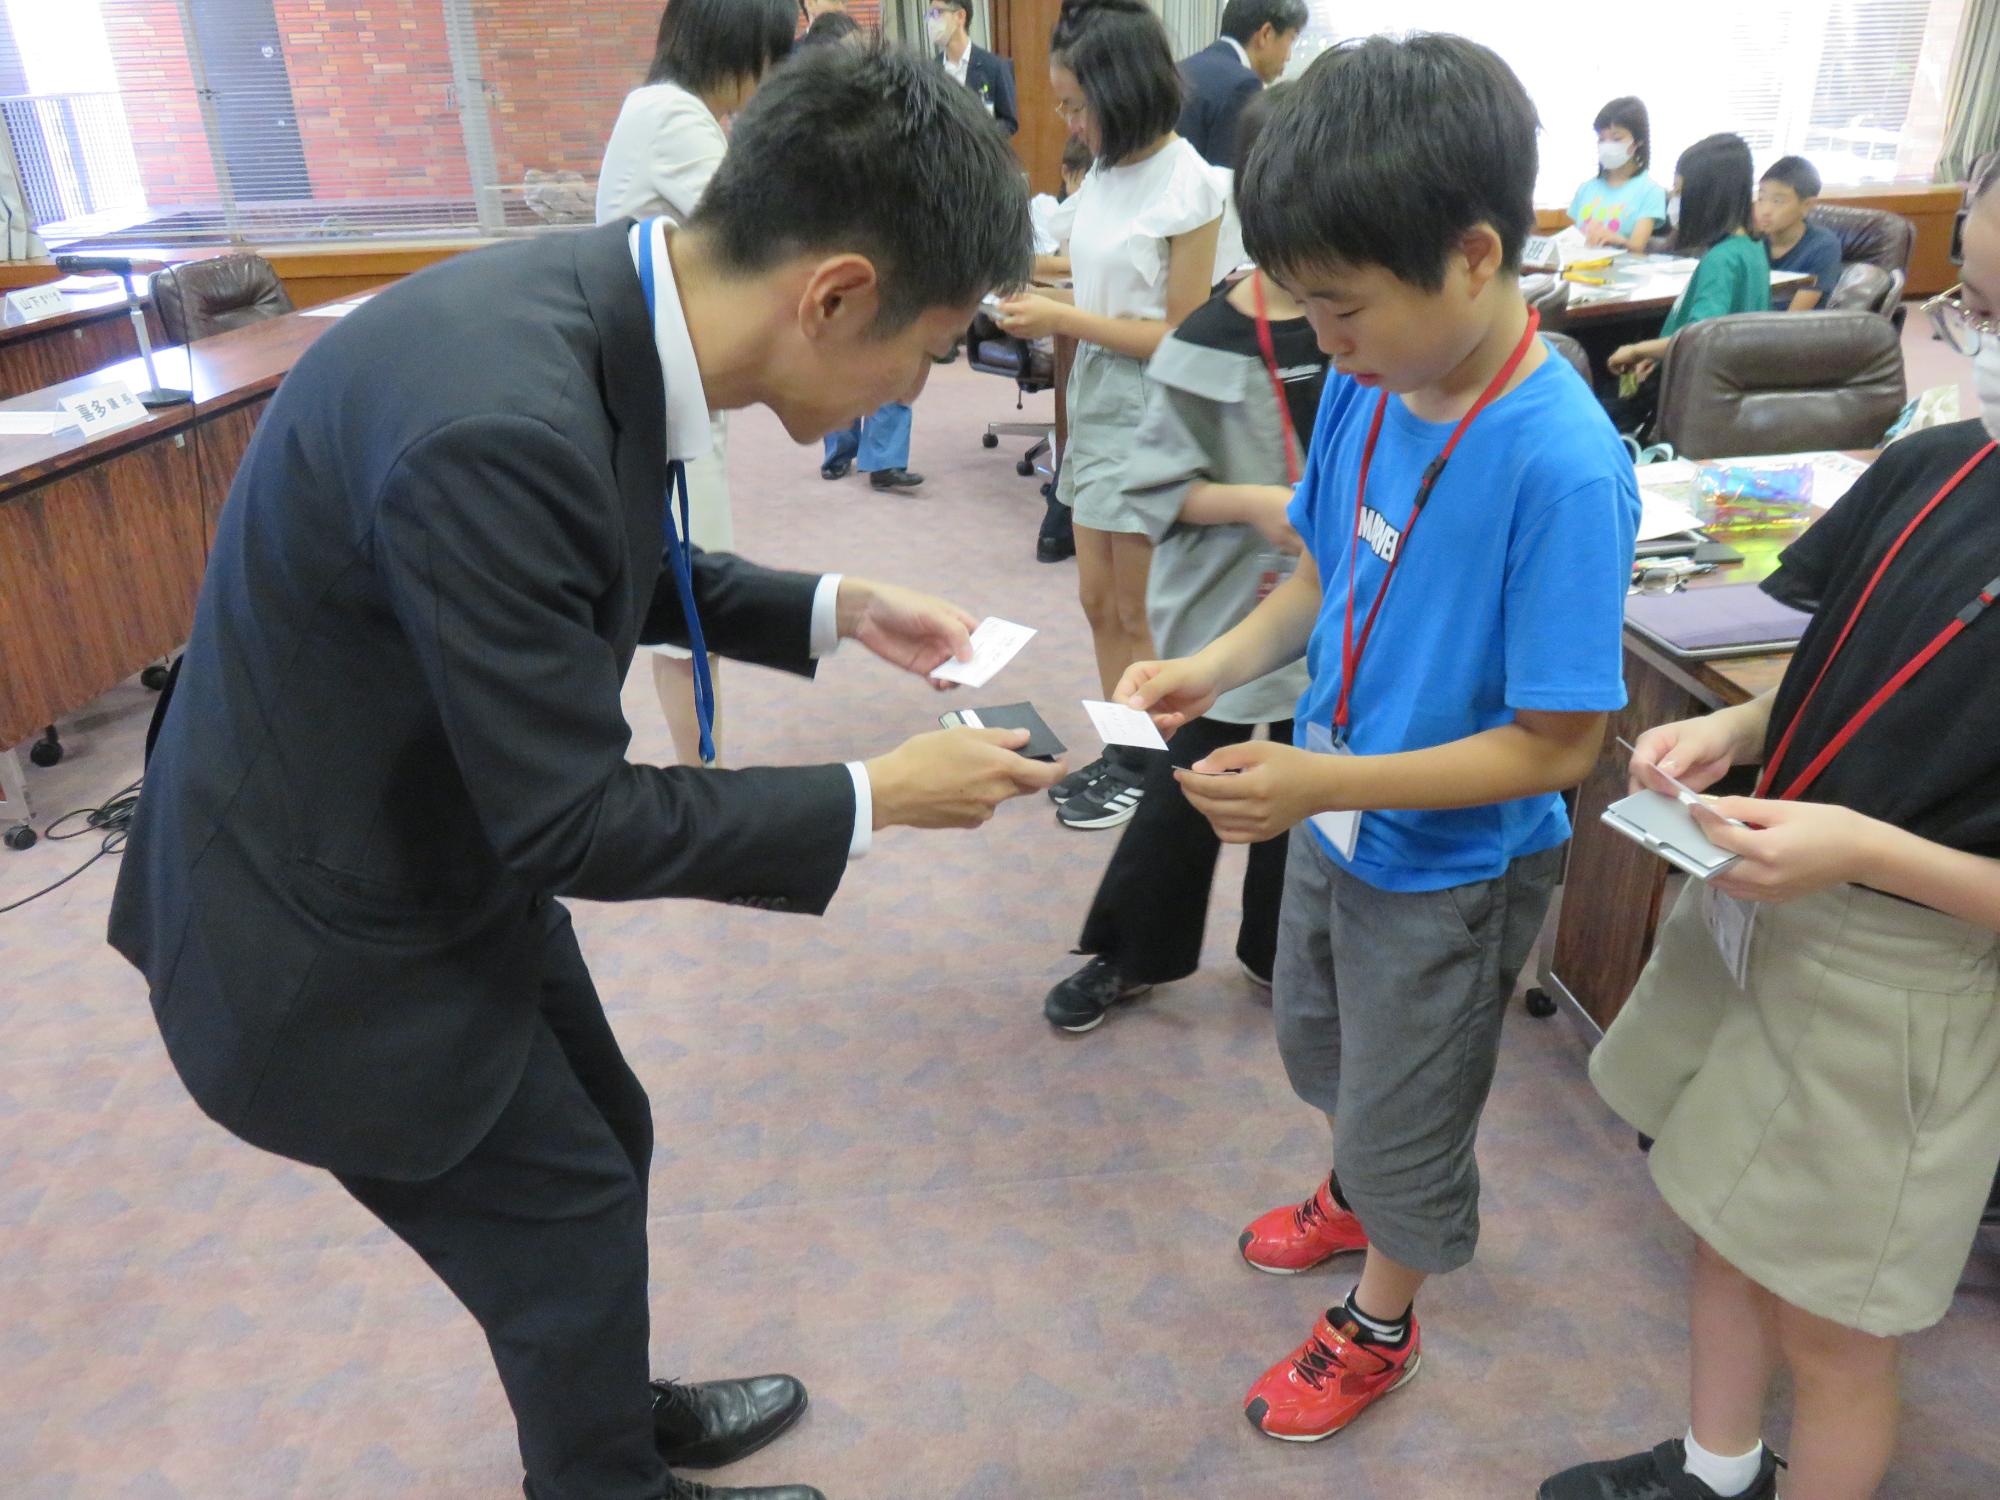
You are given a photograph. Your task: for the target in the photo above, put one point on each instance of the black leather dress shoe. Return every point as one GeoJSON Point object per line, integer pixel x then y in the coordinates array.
{"type": "Point", "coordinates": [719, 1421]}
{"type": "Point", "coordinates": [895, 479]}
{"type": "Point", "coordinates": [838, 468]}
{"type": "Point", "coordinates": [688, 1489]}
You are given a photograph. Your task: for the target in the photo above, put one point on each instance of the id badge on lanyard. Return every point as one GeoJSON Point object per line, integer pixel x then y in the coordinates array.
{"type": "Point", "coordinates": [1340, 829]}
{"type": "Point", "coordinates": [1731, 922]}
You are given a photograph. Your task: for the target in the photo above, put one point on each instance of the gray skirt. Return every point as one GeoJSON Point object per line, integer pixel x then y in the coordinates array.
{"type": "Point", "coordinates": [1107, 396]}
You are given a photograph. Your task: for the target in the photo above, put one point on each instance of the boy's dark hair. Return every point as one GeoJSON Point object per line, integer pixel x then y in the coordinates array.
{"type": "Point", "coordinates": [1796, 173]}
{"type": "Point", "coordinates": [1243, 19]}
{"type": "Point", "coordinates": [1125, 66]}
{"type": "Point", "coordinates": [1256, 114]}
{"type": "Point", "coordinates": [872, 148]}
{"type": "Point", "coordinates": [707, 44]}
{"type": "Point", "coordinates": [1385, 153]}
{"type": "Point", "coordinates": [1629, 114]}
{"type": "Point", "coordinates": [831, 26]}
{"type": "Point", "coordinates": [1716, 192]}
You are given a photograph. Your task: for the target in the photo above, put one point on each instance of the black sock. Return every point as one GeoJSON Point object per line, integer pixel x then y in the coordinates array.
{"type": "Point", "coordinates": [1333, 1187]}
{"type": "Point", "coordinates": [1386, 1333]}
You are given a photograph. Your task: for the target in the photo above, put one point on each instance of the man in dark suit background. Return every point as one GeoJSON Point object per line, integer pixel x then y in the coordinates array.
{"type": "Point", "coordinates": [395, 737]}
{"type": "Point", "coordinates": [1255, 45]}
{"type": "Point", "coordinates": [988, 76]}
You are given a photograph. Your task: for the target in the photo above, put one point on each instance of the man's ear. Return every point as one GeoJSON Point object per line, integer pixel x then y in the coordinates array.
{"type": "Point", "coordinates": [840, 298]}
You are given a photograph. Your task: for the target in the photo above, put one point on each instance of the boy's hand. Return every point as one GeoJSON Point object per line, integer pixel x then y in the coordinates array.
{"type": "Point", "coordinates": [1791, 849]}
{"type": "Point", "coordinates": [1031, 317]}
{"type": "Point", "coordinates": [1171, 691]}
{"type": "Point", "coordinates": [1695, 752]}
{"type": "Point", "coordinates": [1625, 357]}
{"type": "Point", "coordinates": [1272, 519]}
{"type": "Point", "coordinates": [1254, 791]}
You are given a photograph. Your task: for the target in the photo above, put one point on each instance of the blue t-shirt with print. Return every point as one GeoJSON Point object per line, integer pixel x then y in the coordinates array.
{"type": "Point", "coordinates": [1620, 207]}
{"type": "Point", "coordinates": [1510, 595]}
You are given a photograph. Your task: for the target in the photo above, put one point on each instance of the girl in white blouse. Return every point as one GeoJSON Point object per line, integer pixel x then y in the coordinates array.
{"type": "Point", "coordinates": [707, 62]}
{"type": "Point", "coordinates": [1142, 253]}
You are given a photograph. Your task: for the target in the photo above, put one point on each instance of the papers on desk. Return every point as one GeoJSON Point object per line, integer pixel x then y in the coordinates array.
{"type": "Point", "coordinates": [1661, 515]}
{"type": "Point", "coordinates": [34, 423]}
{"type": "Point", "coordinates": [334, 309]}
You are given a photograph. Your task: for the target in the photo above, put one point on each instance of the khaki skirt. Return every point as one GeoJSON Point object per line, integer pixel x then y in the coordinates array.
{"type": "Point", "coordinates": [1106, 397]}
{"type": "Point", "coordinates": [1832, 1129]}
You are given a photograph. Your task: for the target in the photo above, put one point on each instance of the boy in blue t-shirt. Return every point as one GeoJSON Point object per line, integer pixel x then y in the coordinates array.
{"type": "Point", "coordinates": [1465, 652]}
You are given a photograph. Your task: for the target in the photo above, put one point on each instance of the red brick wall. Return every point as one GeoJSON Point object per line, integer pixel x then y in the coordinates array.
{"type": "Point", "coordinates": [160, 106]}
{"type": "Point", "coordinates": [371, 86]}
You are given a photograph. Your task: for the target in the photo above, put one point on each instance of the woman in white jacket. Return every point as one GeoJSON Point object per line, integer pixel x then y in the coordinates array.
{"type": "Point", "coordinates": [709, 59]}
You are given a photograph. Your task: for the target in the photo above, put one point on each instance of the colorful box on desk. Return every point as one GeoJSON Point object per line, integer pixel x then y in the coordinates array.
{"type": "Point", "coordinates": [1740, 497]}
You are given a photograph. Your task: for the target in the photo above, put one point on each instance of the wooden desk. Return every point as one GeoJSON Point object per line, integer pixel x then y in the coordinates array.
{"type": "Point", "coordinates": [103, 541]}
{"type": "Point", "coordinates": [94, 331]}
{"type": "Point", "coordinates": [1643, 294]}
{"type": "Point", "coordinates": [1613, 889]}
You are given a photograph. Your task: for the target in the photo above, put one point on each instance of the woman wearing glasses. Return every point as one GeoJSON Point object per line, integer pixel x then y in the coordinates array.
{"type": "Point", "coordinates": [1142, 252]}
{"type": "Point", "coordinates": [709, 58]}
{"type": "Point", "coordinates": [1815, 1044]}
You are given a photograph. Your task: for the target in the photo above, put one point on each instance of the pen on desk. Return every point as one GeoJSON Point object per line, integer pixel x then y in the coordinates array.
{"type": "Point", "coordinates": [1587, 280]}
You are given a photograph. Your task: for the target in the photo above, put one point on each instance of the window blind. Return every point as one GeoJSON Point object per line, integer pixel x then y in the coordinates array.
{"type": "Point", "coordinates": [1856, 86]}
{"type": "Point", "coordinates": [165, 122]}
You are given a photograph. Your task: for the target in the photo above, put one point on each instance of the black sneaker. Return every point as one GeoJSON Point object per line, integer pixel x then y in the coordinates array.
{"type": "Point", "coordinates": [836, 468]}
{"type": "Point", "coordinates": [895, 479]}
{"type": "Point", "coordinates": [1107, 802]}
{"type": "Point", "coordinates": [1659, 1475]}
{"type": "Point", "coordinates": [1080, 1001]}
{"type": "Point", "coordinates": [1073, 784]}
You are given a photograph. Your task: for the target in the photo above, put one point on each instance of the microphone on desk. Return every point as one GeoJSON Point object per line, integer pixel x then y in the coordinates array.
{"type": "Point", "coordinates": [125, 267]}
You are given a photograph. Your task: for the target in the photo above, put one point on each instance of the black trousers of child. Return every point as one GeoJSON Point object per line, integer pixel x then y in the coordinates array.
{"type": "Point", "coordinates": [1152, 904]}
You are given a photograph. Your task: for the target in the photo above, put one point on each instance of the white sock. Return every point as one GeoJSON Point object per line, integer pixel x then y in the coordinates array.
{"type": "Point", "coordinates": [1726, 1476]}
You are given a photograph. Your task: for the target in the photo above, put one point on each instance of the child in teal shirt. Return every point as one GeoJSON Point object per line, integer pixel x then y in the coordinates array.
{"type": "Point", "coordinates": [1714, 184]}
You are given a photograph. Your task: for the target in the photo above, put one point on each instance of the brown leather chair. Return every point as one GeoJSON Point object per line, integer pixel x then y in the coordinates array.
{"type": "Point", "coordinates": [210, 296]}
{"type": "Point", "coordinates": [1571, 350]}
{"type": "Point", "coordinates": [1874, 236]}
{"type": "Point", "coordinates": [1866, 287]}
{"type": "Point", "coordinates": [1780, 383]}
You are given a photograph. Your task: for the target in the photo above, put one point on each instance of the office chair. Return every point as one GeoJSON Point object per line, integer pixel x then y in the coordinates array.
{"type": "Point", "coordinates": [1571, 350]}
{"type": "Point", "coordinates": [1871, 236]}
{"type": "Point", "coordinates": [992, 351]}
{"type": "Point", "coordinates": [212, 296]}
{"type": "Point", "coordinates": [1866, 287]}
{"type": "Point", "coordinates": [1754, 383]}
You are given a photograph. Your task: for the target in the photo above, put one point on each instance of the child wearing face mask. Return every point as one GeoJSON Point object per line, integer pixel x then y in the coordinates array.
{"type": "Point", "coordinates": [1815, 1042]}
{"type": "Point", "coordinates": [1621, 206]}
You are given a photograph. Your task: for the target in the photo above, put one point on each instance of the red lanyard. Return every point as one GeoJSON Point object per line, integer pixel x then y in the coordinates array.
{"type": "Point", "coordinates": [1895, 684]}
{"type": "Point", "coordinates": [1277, 381]}
{"type": "Point", "coordinates": [1351, 651]}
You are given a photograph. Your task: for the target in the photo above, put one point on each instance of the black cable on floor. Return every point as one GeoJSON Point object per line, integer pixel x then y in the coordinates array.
{"type": "Point", "coordinates": [112, 819]}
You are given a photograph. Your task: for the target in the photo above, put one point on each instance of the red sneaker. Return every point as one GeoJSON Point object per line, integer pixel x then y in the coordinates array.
{"type": "Point", "coordinates": [1327, 1383]}
{"type": "Point", "coordinates": [1287, 1241]}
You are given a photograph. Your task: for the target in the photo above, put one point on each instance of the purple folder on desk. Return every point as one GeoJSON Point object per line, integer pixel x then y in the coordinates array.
{"type": "Point", "coordinates": [1732, 619]}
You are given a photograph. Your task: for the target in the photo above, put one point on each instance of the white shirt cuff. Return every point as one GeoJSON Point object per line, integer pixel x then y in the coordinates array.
{"type": "Point", "coordinates": [825, 639]}
{"type": "Point", "coordinates": [864, 811]}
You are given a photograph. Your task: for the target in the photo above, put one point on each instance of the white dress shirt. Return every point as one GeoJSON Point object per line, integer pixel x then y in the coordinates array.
{"type": "Point", "coordinates": [957, 69]}
{"type": "Point", "coordinates": [1239, 50]}
{"type": "Point", "coordinates": [688, 437]}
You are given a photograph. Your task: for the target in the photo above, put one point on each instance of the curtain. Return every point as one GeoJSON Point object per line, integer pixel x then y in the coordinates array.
{"type": "Point", "coordinates": [1193, 24]}
{"type": "Point", "coordinates": [1972, 100]}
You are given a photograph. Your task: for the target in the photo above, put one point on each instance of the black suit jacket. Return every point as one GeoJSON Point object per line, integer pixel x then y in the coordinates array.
{"type": "Point", "coordinates": [396, 731]}
{"type": "Point", "coordinates": [992, 78]}
{"type": "Point", "coordinates": [1218, 86]}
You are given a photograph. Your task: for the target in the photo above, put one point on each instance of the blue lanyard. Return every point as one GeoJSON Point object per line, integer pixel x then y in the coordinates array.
{"type": "Point", "coordinates": [678, 556]}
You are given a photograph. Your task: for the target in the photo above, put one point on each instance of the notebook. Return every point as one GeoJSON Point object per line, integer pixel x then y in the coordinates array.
{"type": "Point", "coordinates": [1731, 619]}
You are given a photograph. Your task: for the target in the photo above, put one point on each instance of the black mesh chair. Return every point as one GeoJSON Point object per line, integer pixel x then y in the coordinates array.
{"type": "Point", "coordinates": [991, 350]}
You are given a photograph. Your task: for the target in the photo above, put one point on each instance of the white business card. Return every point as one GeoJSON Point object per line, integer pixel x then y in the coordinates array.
{"type": "Point", "coordinates": [1118, 725]}
{"type": "Point", "coordinates": [994, 643]}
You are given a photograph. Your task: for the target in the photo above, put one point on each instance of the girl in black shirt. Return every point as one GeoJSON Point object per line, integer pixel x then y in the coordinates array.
{"type": "Point", "coordinates": [1815, 1042]}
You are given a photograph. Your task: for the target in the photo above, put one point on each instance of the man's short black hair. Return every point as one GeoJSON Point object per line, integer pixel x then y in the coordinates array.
{"type": "Point", "coordinates": [872, 148]}
{"type": "Point", "coordinates": [963, 7]}
{"type": "Point", "coordinates": [708, 44]}
{"type": "Point", "coordinates": [1243, 19]}
{"type": "Point", "coordinates": [1125, 66]}
{"type": "Point", "coordinates": [829, 27]}
{"type": "Point", "coordinates": [1628, 113]}
{"type": "Point", "coordinates": [1796, 173]}
{"type": "Point", "coordinates": [1385, 153]}
{"type": "Point", "coordinates": [1716, 192]}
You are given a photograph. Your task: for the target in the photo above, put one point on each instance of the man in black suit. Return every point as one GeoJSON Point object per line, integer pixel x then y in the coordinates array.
{"type": "Point", "coordinates": [1255, 45]}
{"type": "Point", "coordinates": [988, 76]}
{"type": "Point", "coordinates": [395, 737]}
